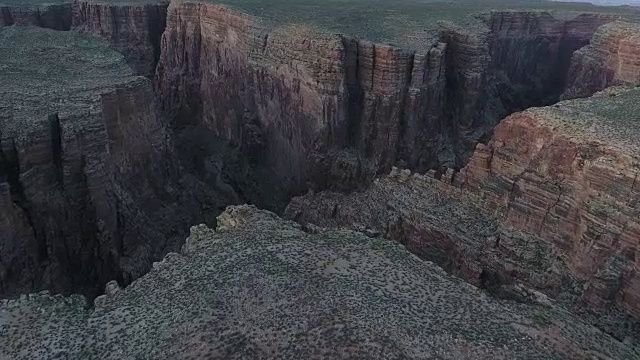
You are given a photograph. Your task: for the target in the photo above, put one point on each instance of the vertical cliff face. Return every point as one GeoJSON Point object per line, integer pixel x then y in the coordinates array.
{"type": "Point", "coordinates": [569, 175]}
{"type": "Point", "coordinates": [332, 111]}
{"type": "Point", "coordinates": [611, 58]}
{"type": "Point", "coordinates": [132, 29]}
{"type": "Point", "coordinates": [520, 60]}
{"type": "Point", "coordinates": [91, 189]}
{"type": "Point", "coordinates": [53, 16]}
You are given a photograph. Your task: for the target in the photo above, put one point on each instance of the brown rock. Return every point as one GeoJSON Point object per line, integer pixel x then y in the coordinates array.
{"type": "Point", "coordinates": [568, 174]}
{"type": "Point", "coordinates": [612, 58]}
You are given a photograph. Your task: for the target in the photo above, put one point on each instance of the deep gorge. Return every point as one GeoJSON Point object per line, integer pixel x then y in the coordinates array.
{"type": "Point", "coordinates": [235, 112]}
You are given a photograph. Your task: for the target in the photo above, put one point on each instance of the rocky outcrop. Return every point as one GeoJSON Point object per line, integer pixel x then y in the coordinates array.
{"type": "Point", "coordinates": [568, 174]}
{"type": "Point", "coordinates": [132, 29]}
{"type": "Point", "coordinates": [89, 184]}
{"type": "Point", "coordinates": [612, 58]}
{"type": "Point", "coordinates": [52, 15]}
{"type": "Point", "coordinates": [278, 292]}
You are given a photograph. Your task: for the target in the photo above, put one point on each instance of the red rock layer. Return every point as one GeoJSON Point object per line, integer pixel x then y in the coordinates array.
{"type": "Point", "coordinates": [612, 58]}
{"type": "Point", "coordinates": [578, 194]}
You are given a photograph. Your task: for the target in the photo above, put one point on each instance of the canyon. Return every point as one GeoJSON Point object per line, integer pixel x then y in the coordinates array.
{"type": "Point", "coordinates": [498, 145]}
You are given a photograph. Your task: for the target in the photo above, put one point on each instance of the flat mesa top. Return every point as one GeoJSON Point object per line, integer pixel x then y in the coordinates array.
{"type": "Point", "coordinates": [610, 117]}
{"type": "Point", "coordinates": [409, 24]}
{"type": "Point", "coordinates": [43, 70]}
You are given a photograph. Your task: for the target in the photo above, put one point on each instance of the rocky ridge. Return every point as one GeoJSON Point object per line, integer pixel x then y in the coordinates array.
{"type": "Point", "coordinates": [259, 287]}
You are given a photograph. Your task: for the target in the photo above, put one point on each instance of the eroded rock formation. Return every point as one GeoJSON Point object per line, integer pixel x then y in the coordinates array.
{"type": "Point", "coordinates": [568, 174]}
{"type": "Point", "coordinates": [134, 29]}
{"type": "Point", "coordinates": [259, 287]}
{"type": "Point", "coordinates": [331, 111]}
{"type": "Point", "coordinates": [261, 110]}
{"type": "Point", "coordinates": [612, 58]}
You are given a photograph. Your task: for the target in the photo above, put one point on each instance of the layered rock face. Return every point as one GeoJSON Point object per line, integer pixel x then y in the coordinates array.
{"type": "Point", "coordinates": [51, 15]}
{"type": "Point", "coordinates": [568, 174]}
{"type": "Point", "coordinates": [278, 292]}
{"type": "Point", "coordinates": [89, 184]}
{"type": "Point", "coordinates": [134, 29]}
{"type": "Point", "coordinates": [612, 58]}
{"type": "Point", "coordinates": [330, 111]}
{"type": "Point", "coordinates": [551, 204]}
{"type": "Point", "coordinates": [519, 60]}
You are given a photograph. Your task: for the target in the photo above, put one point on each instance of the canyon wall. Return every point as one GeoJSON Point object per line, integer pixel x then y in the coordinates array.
{"type": "Point", "coordinates": [90, 187]}
{"type": "Point", "coordinates": [560, 179]}
{"type": "Point", "coordinates": [132, 29]}
{"type": "Point", "coordinates": [330, 111]}
{"type": "Point", "coordinates": [612, 58]}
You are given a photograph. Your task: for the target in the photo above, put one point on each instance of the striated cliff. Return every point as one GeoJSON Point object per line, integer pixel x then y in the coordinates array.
{"type": "Point", "coordinates": [331, 111]}
{"type": "Point", "coordinates": [278, 292]}
{"type": "Point", "coordinates": [549, 205]}
{"type": "Point", "coordinates": [89, 184]}
{"type": "Point", "coordinates": [568, 174]}
{"type": "Point", "coordinates": [612, 58]}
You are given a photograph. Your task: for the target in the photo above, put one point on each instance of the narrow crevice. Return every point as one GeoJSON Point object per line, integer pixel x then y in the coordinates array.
{"type": "Point", "coordinates": [56, 148]}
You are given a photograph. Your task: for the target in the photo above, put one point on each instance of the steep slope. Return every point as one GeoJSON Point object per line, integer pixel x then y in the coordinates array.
{"type": "Point", "coordinates": [89, 184]}
{"type": "Point", "coordinates": [612, 58]}
{"type": "Point", "coordinates": [259, 287]}
{"type": "Point", "coordinates": [133, 28]}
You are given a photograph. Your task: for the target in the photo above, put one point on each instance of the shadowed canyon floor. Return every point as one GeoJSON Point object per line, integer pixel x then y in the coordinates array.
{"type": "Point", "coordinates": [123, 123]}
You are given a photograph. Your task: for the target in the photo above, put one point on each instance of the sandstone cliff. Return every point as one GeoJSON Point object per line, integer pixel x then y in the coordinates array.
{"type": "Point", "coordinates": [612, 58]}
{"type": "Point", "coordinates": [331, 111]}
{"type": "Point", "coordinates": [132, 29]}
{"type": "Point", "coordinates": [568, 174]}
{"type": "Point", "coordinates": [259, 287]}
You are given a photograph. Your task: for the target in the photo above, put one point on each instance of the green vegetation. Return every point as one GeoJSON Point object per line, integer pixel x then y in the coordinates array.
{"type": "Point", "coordinates": [542, 318]}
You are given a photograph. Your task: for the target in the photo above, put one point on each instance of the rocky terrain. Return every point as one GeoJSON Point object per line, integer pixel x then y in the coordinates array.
{"type": "Point", "coordinates": [433, 125]}
{"type": "Point", "coordinates": [259, 287]}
